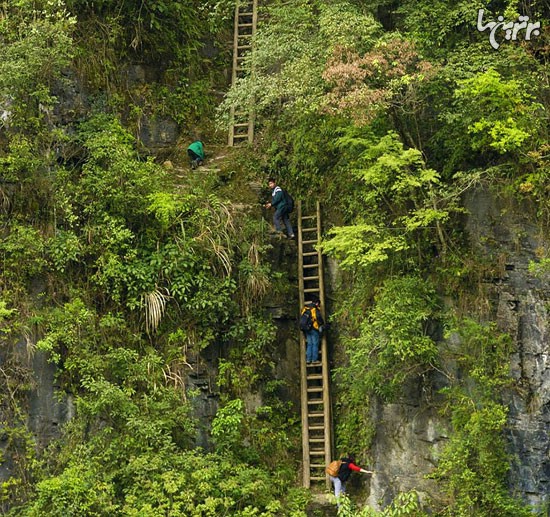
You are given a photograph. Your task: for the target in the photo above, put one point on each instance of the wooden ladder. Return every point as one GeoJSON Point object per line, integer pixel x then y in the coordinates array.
{"type": "Point", "coordinates": [241, 119]}
{"type": "Point", "coordinates": [315, 386]}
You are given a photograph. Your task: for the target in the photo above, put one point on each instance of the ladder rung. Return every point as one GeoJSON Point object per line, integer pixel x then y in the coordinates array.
{"type": "Point", "coordinates": [317, 453]}
{"type": "Point", "coordinates": [240, 47]}
{"type": "Point", "coordinates": [316, 440]}
{"type": "Point", "coordinates": [308, 278]}
{"type": "Point", "coordinates": [312, 229]}
{"type": "Point", "coordinates": [311, 290]}
{"type": "Point", "coordinates": [244, 25]}
{"type": "Point", "coordinates": [241, 124]}
{"type": "Point", "coordinates": [310, 253]}
{"type": "Point", "coordinates": [316, 414]}
{"type": "Point", "coordinates": [316, 427]}
{"type": "Point", "coordinates": [315, 401]}
{"type": "Point", "coordinates": [304, 217]}
{"type": "Point", "coordinates": [308, 266]}
{"type": "Point", "coordinates": [314, 377]}
{"type": "Point", "coordinates": [315, 241]}
{"type": "Point", "coordinates": [315, 390]}
{"type": "Point", "coordinates": [317, 478]}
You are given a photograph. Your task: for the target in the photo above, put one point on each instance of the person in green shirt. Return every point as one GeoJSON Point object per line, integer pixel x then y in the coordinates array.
{"type": "Point", "coordinates": [196, 153]}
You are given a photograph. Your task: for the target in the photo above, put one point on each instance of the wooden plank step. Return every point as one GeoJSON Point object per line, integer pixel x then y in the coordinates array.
{"type": "Point", "coordinates": [310, 253]}
{"type": "Point", "coordinates": [312, 229]}
{"type": "Point", "coordinates": [317, 452]}
{"type": "Point", "coordinates": [244, 25]}
{"type": "Point", "coordinates": [307, 217]}
{"type": "Point", "coordinates": [311, 290]}
{"type": "Point", "coordinates": [316, 428]}
{"type": "Point", "coordinates": [317, 389]}
{"type": "Point", "coordinates": [309, 278]}
{"type": "Point", "coordinates": [315, 241]}
{"type": "Point", "coordinates": [316, 414]}
{"type": "Point", "coordinates": [310, 266]}
{"type": "Point", "coordinates": [316, 440]}
{"type": "Point", "coordinates": [314, 377]}
{"type": "Point", "coordinates": [241, 124]}
{"type": "Point", "coordinates": [314, 402]}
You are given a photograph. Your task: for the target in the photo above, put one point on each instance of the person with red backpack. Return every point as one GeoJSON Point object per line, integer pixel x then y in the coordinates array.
{"type": "Point", "coordinates": [347, 466]}
{"type": "Point", "coordinates": [283, 205]}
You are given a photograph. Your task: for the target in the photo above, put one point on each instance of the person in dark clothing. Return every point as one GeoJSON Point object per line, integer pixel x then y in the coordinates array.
{"type": "Point", "coordinates": [279, 203]}
{"type": "Point", "coordinates": [196, 153]}
{"type": "Point", "coordinates": [313, 335]}
{"type": "Point", "coordinates": [346, 468]}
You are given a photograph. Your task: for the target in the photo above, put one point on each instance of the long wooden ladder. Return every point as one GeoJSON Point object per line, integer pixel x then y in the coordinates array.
{"type": "Point", "coordinates": [315, 386]}
{"type": "Point", "coordinates": [241, 119]}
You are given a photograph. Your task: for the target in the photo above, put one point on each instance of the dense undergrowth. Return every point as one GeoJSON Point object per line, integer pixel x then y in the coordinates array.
{"type": "Point", "coordinates": [121, 272]}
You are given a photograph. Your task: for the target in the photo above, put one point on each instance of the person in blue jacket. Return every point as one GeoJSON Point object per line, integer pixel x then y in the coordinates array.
{"type": "Point", "coordinates": [279, 203]}
{"type": "Point", "coordinates": [196, 153]}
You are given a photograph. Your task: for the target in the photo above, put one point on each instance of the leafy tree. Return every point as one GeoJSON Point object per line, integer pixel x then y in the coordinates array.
{"type": "Point", "coordinates": [474, 464]}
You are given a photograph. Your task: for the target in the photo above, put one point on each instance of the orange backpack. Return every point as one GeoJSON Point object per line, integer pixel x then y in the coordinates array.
{"type": "Point", "coordinates": [334, 468]}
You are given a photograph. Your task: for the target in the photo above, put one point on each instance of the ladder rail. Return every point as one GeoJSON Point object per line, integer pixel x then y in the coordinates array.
{"type": "Point", "coordinates": [316, 403]}
{"type": "Point", "coordinates": [235, 132]}
{"type": "Point", "coordinates": [324, 354]}
{"type": "Point", "coordinates": [306, 468]}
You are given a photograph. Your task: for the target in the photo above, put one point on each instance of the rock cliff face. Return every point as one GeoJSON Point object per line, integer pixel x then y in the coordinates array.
{"type": "Point", "coordinates": [410, 433]}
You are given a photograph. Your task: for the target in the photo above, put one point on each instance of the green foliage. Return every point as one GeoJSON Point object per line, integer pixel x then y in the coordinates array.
{"type": "Point", "coordinates": [540, 269]}
{"type": "Point", "coordinates": [75, 492]}
{"type": "Point", "coordinates": [291, 52]}
{"type": "Point", "coordinates": [36, 46]}
{"type": "Point", "coordinates": [405, 504]}
{"type": "Point", "coordinates": [391, 346]}
{"type": "Point", "coordinates": [227, 426]}
{"type": "Point", "coordinates": [499, 113]}
{"type": "Point", "coordinates": [393, 343]}
{"type": "Point", "coordinates": [158, 483]}
{"type": "Point", "coordinates": [474, 464]}
{"type": "Point", "coordinates": [247, 362]}
{"type": "Point", "coordinates": [400, 193]}
{"type": "Point", "coordinates": [23, 251]}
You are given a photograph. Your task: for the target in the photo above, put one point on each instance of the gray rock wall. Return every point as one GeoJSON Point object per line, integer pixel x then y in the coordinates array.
{"type": "Point", "coordinates": [410, 433]}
